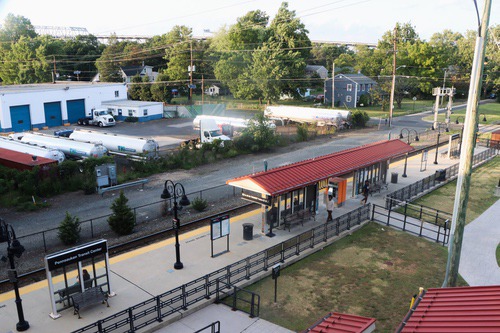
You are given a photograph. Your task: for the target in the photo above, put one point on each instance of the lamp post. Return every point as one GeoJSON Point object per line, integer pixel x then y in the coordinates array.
{"type": "Point", "coordinates": [484, 116]}
{"type": "Point", "coordinates": [14, 248]}
{"type": "Point", "coordinates": [408, 142]}
{"type": "Point", "coordinates": [437, 141]}
{"type": "Point", "coordinates": [173, 191]}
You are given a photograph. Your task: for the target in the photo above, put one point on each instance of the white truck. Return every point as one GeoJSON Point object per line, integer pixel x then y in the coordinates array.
{"type": "Point", "coordinates": [98, 117]}
{"type": "Point", "coordinates": [209, 132]}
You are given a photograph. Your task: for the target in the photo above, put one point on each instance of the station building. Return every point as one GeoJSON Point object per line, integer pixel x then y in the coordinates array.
{"type": "Point", "coordinates": [34, 106]}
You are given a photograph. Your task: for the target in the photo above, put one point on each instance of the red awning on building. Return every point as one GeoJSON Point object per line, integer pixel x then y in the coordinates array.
{"type": "Point", "coordinates": [462, 309]}
{"type": "Point", "coordinates": [301, 174]}
{"type": "Point", "coordinates": [336, 322]}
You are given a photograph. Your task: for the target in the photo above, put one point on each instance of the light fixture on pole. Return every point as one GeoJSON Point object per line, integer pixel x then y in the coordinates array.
{"type": "Point", "coordinates": [408, 142]}
{"type": "Point", "coordinates": [173, 191]}
{"type": "Point", "coordinates": [14, 249]}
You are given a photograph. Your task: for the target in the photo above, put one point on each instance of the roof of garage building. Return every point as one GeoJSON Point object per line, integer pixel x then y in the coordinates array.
{"type": "Point", "coordinates": [129, 103]}
{"type": "Point", "coordinates": [462, 309]}
{"type": "Point", "coordinates": [336, 322]}
{"type": "Point", "coordinates": [297, 175]}
{"type": "Point", "coordinates": [58, 85]}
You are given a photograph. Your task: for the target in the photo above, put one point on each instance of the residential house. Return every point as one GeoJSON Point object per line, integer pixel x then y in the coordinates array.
{"type": "Point", "coordinates": [314, 69]}
{"type": "Point", "coordinates": [348, 89]}
{"type": "Point", "coordinates": [127, 72]}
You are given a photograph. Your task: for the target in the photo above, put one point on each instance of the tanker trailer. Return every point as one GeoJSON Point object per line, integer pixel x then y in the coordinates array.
{"type": "Point", "coordinates": [35, 150]}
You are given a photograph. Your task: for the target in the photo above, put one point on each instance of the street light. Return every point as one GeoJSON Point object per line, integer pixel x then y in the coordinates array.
{"type": "Point", "coordinates": [408, 142]}
{"type": "Point", "coordinates": [175, 190]}
{"type": "Point", "coordinates": [484, 116]}
{"type": "Point", "coordinates": [14, 248]}
{"type": "Point", "coordinates": [437, 141]}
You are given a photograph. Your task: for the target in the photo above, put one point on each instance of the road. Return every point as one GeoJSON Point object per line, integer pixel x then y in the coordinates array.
{"type": "Point", "coordinates": [86, 207]}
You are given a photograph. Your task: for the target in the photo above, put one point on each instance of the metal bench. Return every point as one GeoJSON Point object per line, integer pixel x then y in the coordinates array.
{"type": "Point", "coordinates": [378, 186]}
{"type": "Point", "coordinates": [298, 217]}
{"type": "Point", "coordinates": [89, 297]}
{"type": "Point", "coordinates": [66, 293]}
{"type": "Point", "coordinates": [103, 190]}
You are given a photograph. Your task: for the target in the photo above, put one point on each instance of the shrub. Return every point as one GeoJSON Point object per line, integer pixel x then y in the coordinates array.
{"type": "Point", "coordinates": [69, 230]}
{"type": "Point", "coordinates": [359, 118]}
{"type": "Point", "coordinates": [199, 204]}
{"type": "Point", "coordinates": [122, 220]}
{"type": "Point", "coordinates": [302, 132]}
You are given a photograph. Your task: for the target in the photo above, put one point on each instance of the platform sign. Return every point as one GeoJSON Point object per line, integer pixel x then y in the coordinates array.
{"type": "Point", "coordinates": [220, 227]}
{"type": "Point", "coordinates": [76, 254]}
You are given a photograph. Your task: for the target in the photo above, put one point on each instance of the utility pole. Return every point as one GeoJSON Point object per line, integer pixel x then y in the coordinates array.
{"type": "Point", "coordinates": [333, 84]}
{"type": "Point", "coordinates": [55, 71]}
{"type": "Point", "coordinates": [202, 91]}
{"type": "Point", "coordinates": [467, 153]}
{"type": "Point", "coordinates": [391, 101]}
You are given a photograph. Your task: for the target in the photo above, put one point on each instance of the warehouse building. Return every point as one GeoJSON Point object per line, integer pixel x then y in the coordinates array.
{"type": "Point", "coordinates": [143, 111]}
{"type": "Point", "coordinates": [35, 106]}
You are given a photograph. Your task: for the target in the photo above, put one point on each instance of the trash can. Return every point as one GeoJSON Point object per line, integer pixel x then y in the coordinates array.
{"type": "Point", "coordinates": [394, 177]}
{"type": "Point", "coordinates": [247, 231]}
{"type": "Point", "coordinates": [440, 175]}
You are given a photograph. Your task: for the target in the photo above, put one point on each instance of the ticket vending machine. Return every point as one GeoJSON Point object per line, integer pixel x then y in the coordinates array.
{"type": "Point", "coordinates": [337, 188]}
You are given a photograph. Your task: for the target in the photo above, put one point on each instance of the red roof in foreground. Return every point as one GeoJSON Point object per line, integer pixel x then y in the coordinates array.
{"type": "Point", "coordinates": [336, 322]}
{"type": "Point", "coordinates": [297, 175]}
{"type": "Point", "coordinates": [23, 161]}
{"type": "Point", "coordinates": [455, 310]}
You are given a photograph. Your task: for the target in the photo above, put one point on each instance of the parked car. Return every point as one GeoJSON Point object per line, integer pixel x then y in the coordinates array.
{"type": "Point", "coordinates": [309, 98]}
{"type": "Point", "coordinates": [319, 99]}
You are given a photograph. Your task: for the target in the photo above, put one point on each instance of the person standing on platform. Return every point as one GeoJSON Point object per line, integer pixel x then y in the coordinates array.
{"type": "Point", "coordinates": [366, 191]}
{"type": "Point", "coordinates": [329, 208]}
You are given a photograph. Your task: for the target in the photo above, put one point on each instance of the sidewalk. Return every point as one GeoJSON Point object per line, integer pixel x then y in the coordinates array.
{"type": "Point", "coordinates": [138, 275]}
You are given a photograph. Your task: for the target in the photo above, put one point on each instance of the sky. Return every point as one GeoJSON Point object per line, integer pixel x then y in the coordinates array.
{"type": "Point", "coordinates": [362, 21]}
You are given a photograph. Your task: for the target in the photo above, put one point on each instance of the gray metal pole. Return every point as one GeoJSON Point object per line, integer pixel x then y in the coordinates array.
{"type": "Point", "coordinates": [466, 157]}
{"type": "Point", "coordinates": [391, 101]}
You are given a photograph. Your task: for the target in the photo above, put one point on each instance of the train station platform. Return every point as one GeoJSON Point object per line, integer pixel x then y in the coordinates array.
{"type": "Point", "coordinates": [143, 273]}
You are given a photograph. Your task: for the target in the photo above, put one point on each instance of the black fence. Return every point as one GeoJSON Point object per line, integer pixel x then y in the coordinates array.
{"type": "Point", "coordinates": [441, 177]}
{"type": "Point", "coordinates": [438, 232]}
{"type": "Point", "coordinates": [169, 303]}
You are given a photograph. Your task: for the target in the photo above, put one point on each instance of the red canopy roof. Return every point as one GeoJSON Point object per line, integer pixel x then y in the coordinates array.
{"type": "Point", "coordinates": [340, 322]}
{"type": "Point", "coordinates": [463, 309]}
{"type": "Point", "coordinates": [22, 161]}
{"type": "Point", "coordinates": [297, 175]}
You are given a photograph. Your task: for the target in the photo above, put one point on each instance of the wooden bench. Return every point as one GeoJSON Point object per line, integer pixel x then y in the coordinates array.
{"type": "Point", "coordinates": [66, 293]}
{"type": "Point", "coordinates": [89, 297]}
{"type": "Point", "coordinates": [298, 217]}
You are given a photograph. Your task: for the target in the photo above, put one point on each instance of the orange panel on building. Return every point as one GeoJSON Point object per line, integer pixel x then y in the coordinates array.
{"type": "Point", "coordinates": [339, 187]}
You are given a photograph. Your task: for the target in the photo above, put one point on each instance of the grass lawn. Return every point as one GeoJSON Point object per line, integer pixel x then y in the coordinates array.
{"type": "Point", "coordinates": [374, 273]}
{"type": "Point", "coordinates": [483, 183]}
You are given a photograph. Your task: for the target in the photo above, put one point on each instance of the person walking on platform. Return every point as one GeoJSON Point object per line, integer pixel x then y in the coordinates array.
{"type": "Point", "coordinates": [329, 208]}
{"type": "Point", "coordinates": [366, 191]}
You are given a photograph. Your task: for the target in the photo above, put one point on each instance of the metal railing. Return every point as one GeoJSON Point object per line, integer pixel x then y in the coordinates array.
{"type": "Point", "coordinates": [169, 303]}
{"type": "Point", "coordinates": [408, 192]}
{"type": "Point", "coordinates": [214, 328]}
{"type": "Point", "coordinates": [241, 299]}
{"type": "Point", "coordinates": [438, 232]}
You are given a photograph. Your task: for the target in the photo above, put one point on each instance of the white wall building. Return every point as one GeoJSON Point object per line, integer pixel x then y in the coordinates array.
{"type": "Point", "coordinates": [33, 106]}
{"type": "Point", "coordinates": [144, 111]}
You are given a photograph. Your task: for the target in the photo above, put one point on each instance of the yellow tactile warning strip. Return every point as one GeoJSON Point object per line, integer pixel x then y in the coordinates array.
{"type": "Point", "coordinates": [43, 284]}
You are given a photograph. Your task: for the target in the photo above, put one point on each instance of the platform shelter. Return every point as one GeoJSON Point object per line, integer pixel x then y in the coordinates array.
{"type": "Point", "coordinates": [295, 187]}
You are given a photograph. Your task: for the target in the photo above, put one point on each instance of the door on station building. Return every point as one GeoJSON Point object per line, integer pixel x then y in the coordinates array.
{"type": "Point", "coordinates": [76, 110]}
{"type": "Point", "coordinates": [311, 197]}
{"type": "Point", "coordinates": [53, 116]}
{"type": "Point", "coordinates": [20, 118]}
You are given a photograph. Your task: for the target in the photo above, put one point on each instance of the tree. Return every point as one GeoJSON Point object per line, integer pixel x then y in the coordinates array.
{"type": "Point", "coordinates": [69, 230]}
{"type": "Point", "coordinates": [145, 93]}
{"type": "Point", "coordinates": [178, 52]}
{"type": "Point", "coordinates": [15, 27]}
{"type": "Point", "coordinates": [325, 54]}
{"type": "Point", "coordinates": [122, 220]}
{"type": "Point", "coordinates": [134, 88]}
{"type": "Point", "coordinates": [259, 135]}
{"type": "Point", "coordinates": [161, 91]}
{"type": "Point", "coordinates": [109, 63]}
{"type": "Point", "coordinates": [85, 50]}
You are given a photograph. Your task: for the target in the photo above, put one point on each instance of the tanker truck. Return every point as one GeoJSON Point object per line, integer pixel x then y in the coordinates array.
{"type": "Point", "coordinates": [321, 117]}
{"type": "Point", "coordinates": [98, 117]}
{"type": "Point", "coordinates": [22, 147]}
{"type": "Point", "coordinates": [121, 144]}
{"type": "Point", "coordinates": [69, 147]}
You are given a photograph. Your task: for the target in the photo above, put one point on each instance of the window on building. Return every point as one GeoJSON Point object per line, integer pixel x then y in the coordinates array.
{"type": "Point", "coordinates": [362, 87]}
{"type": "Point", "coordinates": [117, 93]}
{"type": "Point", "coordinates": [367, 87]}
{"type": "Point", "coordinates": [120, 112]}
{"type": "Point", "coordinates": [358, 87]}
{"type": "Point", "coordinates": [349, 87]}
{"type": "Point", "coordinates": [130, 113]}
{"type": "Point", "coordinates": [348, 99]}
{"type": "Point", "coordinates": [145, 112]}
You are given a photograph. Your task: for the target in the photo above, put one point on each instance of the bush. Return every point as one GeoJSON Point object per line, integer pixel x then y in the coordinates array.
{"type": "Point", "coordinates": [199, 204]}
{"type": "Point", "coordinates": [69, 230]}
{"type": "Point", "coordinates": [122, 220]}
{"type": "Point", "coordinates": [359, 118]}
{"type": "Point", "coordinates": [302, 132]}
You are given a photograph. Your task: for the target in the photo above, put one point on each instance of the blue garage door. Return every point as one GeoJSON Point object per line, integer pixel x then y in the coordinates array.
{"type": "Point", "coordinates": [53, 115]}
{"type": "Point", "coordinates": [76, 110]}
{"type": "Point", "coordinates": [20, 117]}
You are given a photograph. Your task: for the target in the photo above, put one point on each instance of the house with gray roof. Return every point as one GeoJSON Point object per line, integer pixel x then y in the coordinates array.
{"type": "Point", "coordinates": [315, 69]}
{"type": "Point", "coordinates": [348, 89]}
{"type": "Point", "coordinates": [128, 72]}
